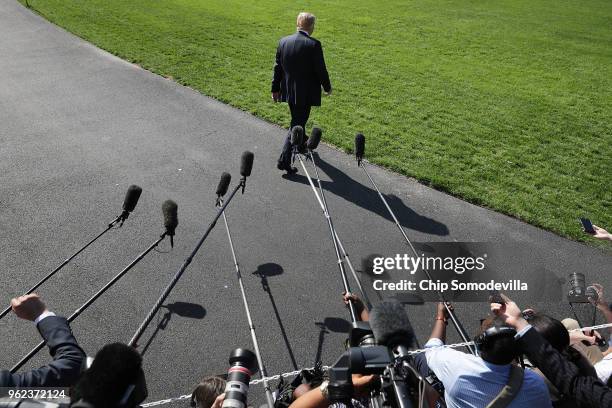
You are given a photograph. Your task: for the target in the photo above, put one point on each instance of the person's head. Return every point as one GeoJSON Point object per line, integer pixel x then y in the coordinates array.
{"type": "Point", "coordinates": [115, 379]}
{"type": "Point", "coordinates": [552, 330]}
{"type": "Point", "coordinates": [306, 22]}
{"type": "Point", "coordinates": [496, 343]}
{"type": "Point", "coordinates": [207, 391]}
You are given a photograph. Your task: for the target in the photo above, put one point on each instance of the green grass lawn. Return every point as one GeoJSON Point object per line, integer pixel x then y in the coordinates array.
{"type": "Point", "coordinates": [506, 104]}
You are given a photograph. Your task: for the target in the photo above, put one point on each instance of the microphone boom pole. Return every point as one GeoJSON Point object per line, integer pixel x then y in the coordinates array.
{"type": "Point", "coordinates": [451, 313]}
{"type": "Point", "coordinates": [342, 250]}
{"type": "Point", "coordinates": [91, 300]}
{"type": "Point", "coordinates": [245, 170]}
{"type": "Point", "coordinates": [330, 223]}
{"type": "Point", "coordinates": [262, 369]}
{"type": "Point", "coordinates": [131, 199]}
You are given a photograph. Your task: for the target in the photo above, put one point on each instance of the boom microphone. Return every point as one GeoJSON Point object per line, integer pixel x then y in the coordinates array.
{"type": "Point", "coordinates": [315, 138]}
{"type": "Point", "coordinates": [246, 164]}
{"type": "Point", "coordinates": [297, 136]}
{"type": "Point", "coordinates": [359, 146]}
{"type": "Point", "coordinates": [224, 183]}
{"type": "Point", "coordinates": [169, 209]}
{"type": "Point", "coordinates": [131, 199]}
{"type": "Point", "coordinates": [391, 326]}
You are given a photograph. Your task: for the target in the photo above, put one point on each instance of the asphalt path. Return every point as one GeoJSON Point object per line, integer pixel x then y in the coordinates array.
{"type": "Point", "coordinates": [78, 126]}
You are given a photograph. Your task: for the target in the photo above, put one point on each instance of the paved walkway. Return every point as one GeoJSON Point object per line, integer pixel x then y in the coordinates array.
{"type": "Point", "coordinates": [78, 125]}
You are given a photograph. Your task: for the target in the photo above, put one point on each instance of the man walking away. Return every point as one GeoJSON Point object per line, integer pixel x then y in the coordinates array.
{"type": "Point", "coordinates": [299, 74]}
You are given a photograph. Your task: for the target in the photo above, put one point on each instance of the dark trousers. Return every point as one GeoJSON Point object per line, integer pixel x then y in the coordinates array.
{"type": "Point", "coordinates": [299, 117]}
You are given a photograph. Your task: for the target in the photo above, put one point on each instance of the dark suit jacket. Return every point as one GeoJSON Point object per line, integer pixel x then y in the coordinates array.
{"type": "Point", "coordinates": [587, 391]}
{"type": "Point", "coordinates": [299, 71]}
{"type": "Point", "coordinates": [65, 368]}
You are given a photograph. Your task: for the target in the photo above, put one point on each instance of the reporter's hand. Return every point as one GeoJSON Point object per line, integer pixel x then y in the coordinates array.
{"type": "Point", "coordinates": [600, 301]}
{"type": "Point", "coordinates": [510, 312]}
{"type": "Point", "coordinates": [601, 233]}
{"type": "Point", "coordinates": [359, 306]}
{"type": "Point", "coordinates": [276, 96]}
{"type": "Point", "coordinates": [362, 384]}
{"type": "Point", "coordinates": [218, 401]}
{"type": "Point", "coordinates": [578, 336]}
{"type": "Point", "coordinates": [28, 307]}
{"type": "Point", "coordinates": [442, 311]}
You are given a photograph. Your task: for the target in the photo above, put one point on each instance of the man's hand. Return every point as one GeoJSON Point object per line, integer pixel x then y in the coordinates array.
{"type": "Point", "coordinates": [601, 233]}
{"type": "Point", "coordinates": [28, 307]}
{"type": "Point", "coordinates": [442, 311]}
{"type": "Point", "coordinates": [600, 301]}
{"type": "Point", "coordinates": [276, 96]}
{"type": "Point", "coordinates": [510, 312]}
{"type": "Point", "coordinates": [218, 401]}
{"type": "Point", "coordinates": [361, 384]}
{"type": "Point", "coordinates": [360, 308]}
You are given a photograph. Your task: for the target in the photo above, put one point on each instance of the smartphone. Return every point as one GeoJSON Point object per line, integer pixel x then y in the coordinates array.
{"type": "Point", "coordinates": [587, 225]}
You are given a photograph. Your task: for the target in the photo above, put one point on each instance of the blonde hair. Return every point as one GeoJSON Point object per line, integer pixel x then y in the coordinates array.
{"type": "Point", "coordinates": [306, 21]}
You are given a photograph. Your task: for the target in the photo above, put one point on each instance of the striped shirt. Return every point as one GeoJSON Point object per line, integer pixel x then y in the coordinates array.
{"type": "Point", "coordinates": [471, 382]}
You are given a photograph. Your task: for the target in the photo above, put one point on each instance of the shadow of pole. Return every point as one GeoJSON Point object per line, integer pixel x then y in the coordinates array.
{"type": "Point", "coordinates": [264, 271]}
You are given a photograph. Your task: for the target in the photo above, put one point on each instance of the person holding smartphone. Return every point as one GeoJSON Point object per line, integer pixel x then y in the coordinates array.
{"type": "Point", "coordinates": [594, 230]}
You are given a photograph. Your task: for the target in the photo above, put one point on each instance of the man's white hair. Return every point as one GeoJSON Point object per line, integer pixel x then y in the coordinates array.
{"type": "Point", "coordinates": [306, 21]}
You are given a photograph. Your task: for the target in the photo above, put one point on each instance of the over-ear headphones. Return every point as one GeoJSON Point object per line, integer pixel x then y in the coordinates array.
{"type": "Point", "coordinates": [485, 338]}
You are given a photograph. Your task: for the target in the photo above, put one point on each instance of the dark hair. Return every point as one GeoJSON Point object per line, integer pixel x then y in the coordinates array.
{"type": "Point", "coordinates": [501, 348]}
{"type": "Point", "coordinates": [207, 391]}
{"type": "Point", "coordinates": [552, 330]}
{"type": "Point", "coordinates": [104, 384]}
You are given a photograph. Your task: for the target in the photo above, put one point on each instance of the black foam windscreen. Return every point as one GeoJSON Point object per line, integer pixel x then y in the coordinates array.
{"type": "Point", "coordinates": [131, 198]}
{"type": "Point", "coordinates": [359, 145]}
{"type": "Point", "coordinates": [224, 183]}
{"type": "Point", "coordinates": [297, 136]}
{"type": "Point", "coordinates": [314, 139]}
{"type": "Point", "coordinates": [246, 164]}
{"type": "Point", "coordinates": [390, 325]}
{"type": "Point", "coordinates": [169, 209]}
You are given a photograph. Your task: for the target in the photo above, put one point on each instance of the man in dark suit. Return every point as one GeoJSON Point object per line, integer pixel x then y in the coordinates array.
{"type": "Point", "coordinates": [299, 74]}
{"type": "Point", "coordinates": [68, 357]}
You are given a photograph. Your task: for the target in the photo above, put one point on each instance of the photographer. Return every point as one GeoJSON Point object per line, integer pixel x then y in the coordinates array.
{"type": "Point", "coordinates": [565, 376]}
{"type": "Point", "coordinates": [209, 393]}
{"type": "Point", "coordinates": [319, 397]}
{"type": "Point", "coordinates": [68, 357]}
{"type": "Point", "coordinates": [557, 335]}
{"type": "Point", "coordinates": [471, 381]}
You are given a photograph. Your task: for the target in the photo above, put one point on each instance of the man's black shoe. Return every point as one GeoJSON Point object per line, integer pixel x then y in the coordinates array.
{"type": "Point", "coordinates": [280, 165]}
{"type": "Point", "coordinates": [291, 170]}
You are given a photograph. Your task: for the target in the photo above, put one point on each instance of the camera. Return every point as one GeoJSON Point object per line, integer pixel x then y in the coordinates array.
{"type": "Point", "coordinates": [243, 364]}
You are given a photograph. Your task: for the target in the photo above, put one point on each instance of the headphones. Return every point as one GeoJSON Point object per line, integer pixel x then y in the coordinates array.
{"type": "Point", "coordinates": [486, 337]}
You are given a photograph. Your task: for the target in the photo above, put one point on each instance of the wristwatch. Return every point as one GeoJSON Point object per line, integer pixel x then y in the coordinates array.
{"type": "Point", "coordinates": [324, 389]}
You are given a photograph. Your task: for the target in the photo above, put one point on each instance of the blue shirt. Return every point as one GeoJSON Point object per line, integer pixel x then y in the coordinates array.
{"type": "Point", "coordinates": [471, 382]}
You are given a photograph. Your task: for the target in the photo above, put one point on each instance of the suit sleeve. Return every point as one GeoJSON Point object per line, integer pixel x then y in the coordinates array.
{"type": "Point", "coordinates": [65, 368]}
{"type": "Point", "coordinates": [587, 391]}
{"type": "Point", "coordinates": [320, 67]}
{"type": "Point", "coordinates": [278, 71]}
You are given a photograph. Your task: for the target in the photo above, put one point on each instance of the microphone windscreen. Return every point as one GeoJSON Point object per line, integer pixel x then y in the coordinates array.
{"type": "Point", "coordinates": [297, 136]}
{"type": "Point", "coordinates": [359, 145]}
{"type": "Point", "coordinates": [131, 198]}
{"type": "Point", "coordinates": [314, 139]}
{"type": "Point", "coordinates": [246, 164]}
{"type": "Point", "coordinates": [224, 183]}
{"type": "Point", "coordinates": [390, 325]}
{"type": "Point", "coordinates": [169, 208]}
